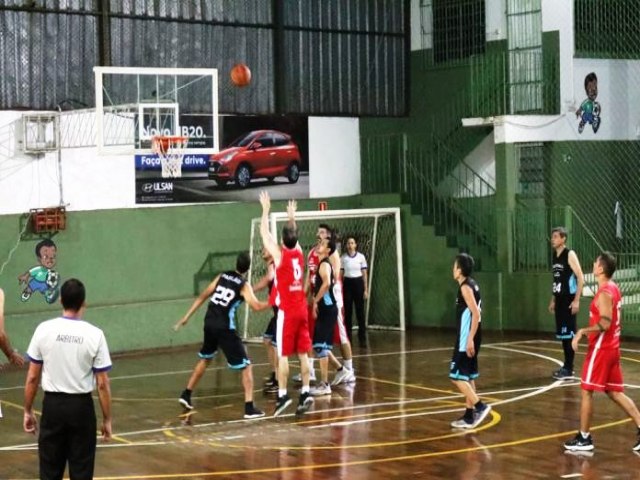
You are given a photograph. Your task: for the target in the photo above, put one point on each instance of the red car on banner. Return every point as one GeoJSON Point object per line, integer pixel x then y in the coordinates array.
{"type": "Point", "coordinates": [257, 154]}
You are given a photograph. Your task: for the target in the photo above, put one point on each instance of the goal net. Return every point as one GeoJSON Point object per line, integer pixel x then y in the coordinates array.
{"type": "Point", "coordinates": [377, 232]}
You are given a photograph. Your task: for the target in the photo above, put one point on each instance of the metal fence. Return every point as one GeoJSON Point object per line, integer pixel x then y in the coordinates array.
{"type": "Point", "coordinates": [312, 57]}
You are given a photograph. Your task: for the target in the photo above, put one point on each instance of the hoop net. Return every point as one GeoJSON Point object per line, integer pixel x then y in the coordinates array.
{"type": "Point", "coordinates": [170, 150]}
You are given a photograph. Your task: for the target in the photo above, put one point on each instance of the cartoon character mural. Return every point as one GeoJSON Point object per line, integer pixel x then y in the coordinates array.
{"type": "Point", "coordinates": [42, 278]}
{"type": "Point", "coordinates": [589, 111]}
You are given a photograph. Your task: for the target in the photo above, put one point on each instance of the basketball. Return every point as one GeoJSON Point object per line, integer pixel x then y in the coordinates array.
{"type": "Point", "coordinates": [240, 75]}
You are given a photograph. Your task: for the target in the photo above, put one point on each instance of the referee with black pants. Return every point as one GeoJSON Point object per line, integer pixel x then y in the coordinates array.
{"type": "Point", "coordinates": [70, 355]}
{"type": "Point", "coordinates": [354, 281]}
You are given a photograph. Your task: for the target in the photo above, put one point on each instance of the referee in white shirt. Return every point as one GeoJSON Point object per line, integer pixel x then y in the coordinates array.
{"type": "Point", "coordinates": [354, 280]}
{"type": "Point", "coordinates": [69, 353]}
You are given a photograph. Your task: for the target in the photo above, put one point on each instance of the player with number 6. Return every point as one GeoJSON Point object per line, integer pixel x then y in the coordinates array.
{"type": "Point", "coordinates": [225, 294]}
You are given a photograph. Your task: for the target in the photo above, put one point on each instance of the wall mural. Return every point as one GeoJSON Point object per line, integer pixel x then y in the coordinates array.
{"type": "Point", "coordinates": [42, 277]}
{"type": "Point", "coordinates": [590, 110]}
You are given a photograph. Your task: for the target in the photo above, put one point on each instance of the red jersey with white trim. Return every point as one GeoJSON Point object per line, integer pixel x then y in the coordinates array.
{"type": "Point", "coordinates": [312, 266]}
{"type": "Point", "coordinates": [609, 339]}
{"type": "Point", "coordinates": [289, 280]}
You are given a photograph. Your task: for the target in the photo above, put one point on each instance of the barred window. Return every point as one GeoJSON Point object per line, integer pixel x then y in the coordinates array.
{"type": "Point", "coordinates": [607, 28]}
{"type": "Point", "coordinates": [458, 29]}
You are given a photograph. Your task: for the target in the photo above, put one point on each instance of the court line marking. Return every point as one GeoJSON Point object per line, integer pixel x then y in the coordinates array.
{"type": "Point", "coordinates": [213, 367]}
{"type": "Point", "coordinates": [364, 462]}
{"type": "Point", "coordinates": [495, 419]}
{"type": "Point", "coordinates": [571, 475]}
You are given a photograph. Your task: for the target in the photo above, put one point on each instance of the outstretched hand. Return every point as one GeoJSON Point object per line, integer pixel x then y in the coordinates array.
{"type": "Point", "coordinates": [183, 321]}
{"type": "Point", "coordinates": [265, 201]}
{"type": "Point", "coordinates": [292, 207]}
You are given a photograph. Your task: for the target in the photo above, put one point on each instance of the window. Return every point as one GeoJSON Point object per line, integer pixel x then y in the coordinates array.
{"type": "Point", "coordinates": [458, 29]}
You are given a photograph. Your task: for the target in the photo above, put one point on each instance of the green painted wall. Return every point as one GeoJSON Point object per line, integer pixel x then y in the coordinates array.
{"type": "Point", "coordinates": [138, 265]}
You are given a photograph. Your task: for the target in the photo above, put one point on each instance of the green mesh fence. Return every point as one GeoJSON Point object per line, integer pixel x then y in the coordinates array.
{"type": "Point", "coordinates": [375, 234]}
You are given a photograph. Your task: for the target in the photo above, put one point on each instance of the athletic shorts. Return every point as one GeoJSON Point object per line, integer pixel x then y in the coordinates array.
{"type": "Point", "coordinates": [230, 344]}
{"type": "Point", "coordinates": [463, 367]}
{"type": "Point", "coordinates": [270, 332]}
{"type": "Point", "coordinates": [292, 332]}
{"type": "Point", "coordinates": [565, 320]}
{"type": "Point", "coordinates": [601, 371]}
{"type": "Point", "coordinates": [325, 326]}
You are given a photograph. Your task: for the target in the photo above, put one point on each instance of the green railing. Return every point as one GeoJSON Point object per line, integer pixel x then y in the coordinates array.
{"type": "Point", "coordinates": [509, 83]}
{"type": "Point", "coordinates": [457, 201]}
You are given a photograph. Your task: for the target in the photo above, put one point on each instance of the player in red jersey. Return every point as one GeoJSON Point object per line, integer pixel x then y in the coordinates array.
{"type": "Point", "coordinates": [601, 371]}
{"type": "Point", "coordinates": [292, 333]}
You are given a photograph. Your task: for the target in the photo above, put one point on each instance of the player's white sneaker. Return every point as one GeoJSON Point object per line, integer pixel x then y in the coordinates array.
{"type": "Point", "coordinates": [312, 377]}
{"type": "Point", "coordinates": [343, 376]}
{"type": "Point", "coordinates": [321, 389]}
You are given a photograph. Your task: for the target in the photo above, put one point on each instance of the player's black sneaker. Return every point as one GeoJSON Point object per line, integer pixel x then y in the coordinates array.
{"type": "Point", "coordinates": [562, 374]}
{"type": "Point", "coordinates": [281, 405]}
{"type": "Point", "coordinates": [636, 448]}
{"type": "Point", "coordinates": [579, 443]}
{"type": "Point", "coordinates": [305, 402]}
{"type": "Point", "coordinates": [185, 400]}
{"type": "Point", "coordinates": [480, 414]}
{"type": "Point", "coordinates": [271, 388]}
{"type": "Point", "coordinates": [253, 412]}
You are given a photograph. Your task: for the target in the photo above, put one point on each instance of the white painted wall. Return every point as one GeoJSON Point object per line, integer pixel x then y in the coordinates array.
{"type": "Point", "coordinates": [557, 15]}
{"type": "Point", "coordinates": [334, 157]}
{"type": "Point", "coordinates": [95, 182]}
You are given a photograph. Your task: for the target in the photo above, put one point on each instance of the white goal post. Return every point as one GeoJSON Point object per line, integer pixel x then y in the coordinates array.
{"type": "Point", "coordinates": [378, 234]}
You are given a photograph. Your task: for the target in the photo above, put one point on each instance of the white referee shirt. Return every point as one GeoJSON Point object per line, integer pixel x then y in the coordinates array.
{"type": "Point", "coordinates": [70, 351]}
{"type": "Point", "coordinates": [353, 266]}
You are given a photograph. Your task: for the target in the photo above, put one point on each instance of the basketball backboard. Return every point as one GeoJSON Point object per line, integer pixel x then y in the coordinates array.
{"type": "Point", "coordinates": [134, 104]}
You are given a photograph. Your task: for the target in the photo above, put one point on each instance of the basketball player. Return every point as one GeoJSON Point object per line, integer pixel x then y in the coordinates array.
{"type": "Point", "coordinates": [344, 371]}
{"type": "Point", "coordinates": [225, 294]}
{"type": "Point", "coordinates": [565, 300]}
{"type": "Point", "coordinates": [292, 333]}
{"type": "Point", "coordinates": [464, 364]}
{"type": "Point", "coordinates": [325, 311]}
{"type": "Point", "coordinates": [601, 371]}
{"type": "Point", "coordinates": [267, 281]}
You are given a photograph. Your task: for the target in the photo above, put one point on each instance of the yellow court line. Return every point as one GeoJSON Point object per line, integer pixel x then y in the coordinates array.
{"type": "Point", "coordinates": [495, 419]}
{"type": "Point", "coordinates": [362, 462]}
{"type": "Point", "coordinates": [421, 387]}
{"type": "Point", "coordinates": [320, 421]}
{"type": "Point", "coordinates": [19, 407]}
{"type": "Point", "coordinates": [119, 439]}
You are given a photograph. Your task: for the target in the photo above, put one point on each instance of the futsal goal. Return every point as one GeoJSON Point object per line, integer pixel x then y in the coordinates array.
{"type": "Point", "coordinates": [377, 232]}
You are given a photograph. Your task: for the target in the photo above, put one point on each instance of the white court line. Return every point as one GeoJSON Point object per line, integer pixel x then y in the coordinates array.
{"type": "Point", "coordinates": [213, 368]}
{"type": "Point", "coordinates": [535, 392]}
{"type": "Point", "coordinates": [571, 475]}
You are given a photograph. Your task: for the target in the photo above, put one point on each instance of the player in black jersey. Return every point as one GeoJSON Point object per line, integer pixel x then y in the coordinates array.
{"type": "Point", "coordinates": [464, 363]}
{"type": "Point", "coordinates": [225, 294]}
{"type": "Point", "coordinates": [568, 281]}
{"type": "Point", "coordinates": [325, 309]}
{"type": "Point", "coordinates": [269, 336]}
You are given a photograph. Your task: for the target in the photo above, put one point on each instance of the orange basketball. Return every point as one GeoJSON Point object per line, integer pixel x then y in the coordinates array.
{"type": "Point", "coordinates": [240, 75]}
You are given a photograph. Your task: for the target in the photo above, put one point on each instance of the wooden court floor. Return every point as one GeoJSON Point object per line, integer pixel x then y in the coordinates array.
{"type": "Point", "coordinates": [394, 423]}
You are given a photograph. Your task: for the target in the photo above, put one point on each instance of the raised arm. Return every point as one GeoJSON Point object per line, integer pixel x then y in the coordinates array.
{"type": "Point", "coordinates": [292, 206]}
{"type": "Point", "coordinates": [197, 303]}
{"type": "Point", "coordinates": [267, 239]}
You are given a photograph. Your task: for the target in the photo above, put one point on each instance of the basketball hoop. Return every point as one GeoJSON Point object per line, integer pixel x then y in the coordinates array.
{"type": "Point", "coordinates": [170, 150]}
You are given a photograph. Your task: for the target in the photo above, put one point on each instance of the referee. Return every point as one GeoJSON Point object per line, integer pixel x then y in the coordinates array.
{"type": "Point", "coordinates": [68, 353]}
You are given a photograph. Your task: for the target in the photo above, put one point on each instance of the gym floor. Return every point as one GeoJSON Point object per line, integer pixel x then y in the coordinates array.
{"type": "Point", "coordinates": [393, 423]}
